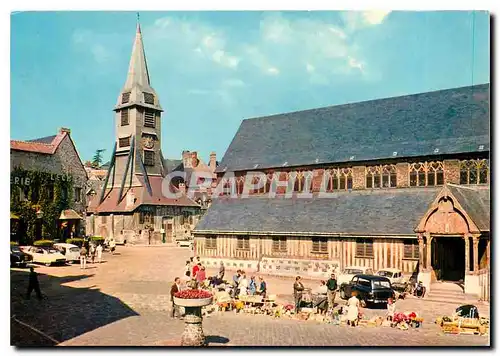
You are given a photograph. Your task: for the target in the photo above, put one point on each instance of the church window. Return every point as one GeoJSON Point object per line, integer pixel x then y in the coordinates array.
{"type": "Point", "coordinates": [474, 171]}
{"type": "Point", "coordinates": [124, 117]}
{"type": "Point", "coordinates": [149, 118]}
{"type": "Point", "coordinates": [381, 176]}
{"type": "Point", "coordinates": [149, 98]}
{"type": "Point", "coordinates": [364, 248]}
{"type": "Point", "coordinates": [338, 179]}
{"type": "Point", "coordinates": [279, 244]}
{"type": "Point", "coordinates": [227, 186]}
{"type": "Point", "coordinates": [78, 195]}
{"type": "Point", "coordinates": [149, 158]}
{"type": "Point", "coordinates": [124, 141]}
{"type": "Point", "coordinates": [125, 97]}
{"type": "Point", "coordinates": [410, 249]}
{"type": "Point", "coordinates": [302, 181]}
{"type": "Point", "coordinates": [426, 174]}
{"type": "Point", "coordinates": [243, 243]}
{"type": "Point", "coordinates": [240, 182]}
{"type": "Point", "coordinates": [320, 245]}
{"type": "Point", "coordinates": [211, 242]}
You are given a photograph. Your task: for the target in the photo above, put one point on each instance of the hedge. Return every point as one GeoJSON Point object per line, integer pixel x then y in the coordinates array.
{"type": "Point", "coordinates": [13, 243]}
{"type": "Point", "coordinates": [75, 241]}
{"type": "Point", "coordinates": [97, 238]}
{"type": "Point", "coordinates": [44, 243]}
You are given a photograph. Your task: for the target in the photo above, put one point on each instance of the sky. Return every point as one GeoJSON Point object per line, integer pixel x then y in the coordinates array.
{"type": "Point", "coordinates": [213, 69]}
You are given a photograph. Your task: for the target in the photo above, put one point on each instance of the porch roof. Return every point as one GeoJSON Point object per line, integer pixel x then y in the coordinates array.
{"type": "Point", "coordinates": [476, 203]}
{"type": "Point", "coordinates": [363, 212]}
{"type": "Point", "coordinates": [69, 214]}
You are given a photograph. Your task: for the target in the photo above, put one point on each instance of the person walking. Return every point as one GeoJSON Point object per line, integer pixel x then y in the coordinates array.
{"type": "Point", "coordinates": [175, 288]}
{"type": "Point", "coordinates": [222, 270]}
{"type": "Point", "coordinates": [353, 309]}
{"type": "Point", "coordinates": [33, 284]}
{"type": "Point", "coordinates": [331, 286]}
{"type": "Point", "coordinates": [83, 257]}
{"type": "Point", "coordinates": [298, 288]}
{"type": "Point", "coordinates": [99, 253]}
{"type": "Point", "coordinates": [92, 252]}
{"type": "Point", "coordinates": [112, 246]}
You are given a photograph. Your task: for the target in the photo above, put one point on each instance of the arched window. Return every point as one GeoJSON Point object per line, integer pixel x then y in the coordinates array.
{"type": "Point", "coordinates": [382, 176]}
{"type": "Point", "coordinates": [227, 186]}
{"type": "Point", "coordinates": [474, 171]}
{"type": "Point", "coordinates": [240, 183]}
{"type": "Point", "coordinates": [426, 174]}
{"type": "Point", "coordinates": [302, 182]}
{"type": "Point", "coordinates": [269, 181]}
{"type": "Point", "coordinates": [338, 179]}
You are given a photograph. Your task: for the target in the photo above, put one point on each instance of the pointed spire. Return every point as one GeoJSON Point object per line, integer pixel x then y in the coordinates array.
{"type": "Point", "coordinates": [138, 68]}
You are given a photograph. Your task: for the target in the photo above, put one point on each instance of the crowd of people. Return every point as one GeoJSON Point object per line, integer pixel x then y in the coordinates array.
{"type": "Point", "coordinates": [91, 250]}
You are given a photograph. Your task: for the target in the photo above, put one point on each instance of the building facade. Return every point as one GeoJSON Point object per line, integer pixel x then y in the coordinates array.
{"type": "Point", "coordinates": [48, 177]}
{"type": "Point", "coordinates": [400, 182]}
{"type": "Point", "coordinates": [131, 205]}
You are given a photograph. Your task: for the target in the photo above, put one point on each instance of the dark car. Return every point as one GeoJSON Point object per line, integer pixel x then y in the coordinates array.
{"type": "Point", "coordinates": [18, 257]}
{"type": "Point", "coordinates": [370, 289]}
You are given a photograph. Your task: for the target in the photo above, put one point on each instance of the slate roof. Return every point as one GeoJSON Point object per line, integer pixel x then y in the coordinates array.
{"type": "Point", "coordinates": [360, 212]}
{"type": "Point", "coordinates": [40, 145]}
{"type": "Point", "coordinates": [452, 121]}
{"type": "Point", "coordinates": [476, 203]}
{"type": "Point", "coordinates": [47, 139]}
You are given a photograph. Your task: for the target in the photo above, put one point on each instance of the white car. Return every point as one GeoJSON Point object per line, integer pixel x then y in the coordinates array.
{"type": "Point", "coordinates": [185, 243]}
{"type": "Point", "coordinates": [45, 255]}
{"type": "Point", "coordinates": [395, 275]}
{"type": "Point", "coordinates": [70, 251]}
{"type": "Point", "coordinates": [350, 271]}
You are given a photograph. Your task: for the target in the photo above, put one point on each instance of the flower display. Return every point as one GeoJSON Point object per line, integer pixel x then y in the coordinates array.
{"type": "Point", "coordinates": [193, 294]}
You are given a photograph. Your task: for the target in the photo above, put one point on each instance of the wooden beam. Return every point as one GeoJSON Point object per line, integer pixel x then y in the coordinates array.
{"type": "Point", "coordinates": [111, 166]}
{"type": "Point", "coordinates": [475, 245]}
{"type": "Point", "coordinates": [467, 253]}
{"type": "Point", "coordinates": [130, 153]}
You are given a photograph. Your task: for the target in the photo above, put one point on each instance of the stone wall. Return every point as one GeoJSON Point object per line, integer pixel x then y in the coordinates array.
{"type": "Point", "coordinates": [358, 177]}
{"type": "Point", "coordinates": [452, 171]}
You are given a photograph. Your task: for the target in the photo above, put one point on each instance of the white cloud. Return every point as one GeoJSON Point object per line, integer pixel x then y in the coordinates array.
{"type": "Point", "coordinates": [354, 63]}
{"type": "Point", "coordinates": [273, 71]}
{"type": "Point", "coordinates": [310, 68]}
{"type": "Point", "coordinates": [375, 17]}
{"type": "Point", "coordinates": [201, 38]}
{"type": "Point", "coordinates": [95, 44]}
{"type": "Point", "coordinates": [357, 20]}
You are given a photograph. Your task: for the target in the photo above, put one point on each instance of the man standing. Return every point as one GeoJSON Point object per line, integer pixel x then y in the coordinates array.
{"type": "Point", "coordinates": [99, 253]}
{"type": "Point", "coordinates": [175, 288]}
{"type": "Point", "coordinates": [298, 288]}
{"type": "Point", "coordinates": [83, 257]}
{"type": "Point", "coordinates": [222, 270]}
{"type": "Point", "coordinates": [331, 286]}
{"type": "Point", "coordinates": [33, 285]}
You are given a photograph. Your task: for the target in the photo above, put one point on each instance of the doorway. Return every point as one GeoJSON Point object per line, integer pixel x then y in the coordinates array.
{"type": "Point", "coordinates": [449, 258]}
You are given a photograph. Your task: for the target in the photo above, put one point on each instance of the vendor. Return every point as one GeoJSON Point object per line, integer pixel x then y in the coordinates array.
{"type": "Point", "coordinates": [321, 289]}
{"type": "Point", "coordinates": [262, 287]}
{"type": "Point", "coordinates": [353, 309]}
{"type": "Point", "coordinates": [252, 286]}
{"type": "Point", "coordinates": [391, 309]}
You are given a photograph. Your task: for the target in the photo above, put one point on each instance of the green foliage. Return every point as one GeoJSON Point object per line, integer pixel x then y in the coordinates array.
{"type": "Point", "coordinates": [97, 160]}
{"type": "Point", "coordinates": [13, 243]}
{"type": "Point", "coordinates": [49, 192]}
{"type": "Point", "coordinates": [75, 241]}
{"type": "Point", "coordinates": [97, 238]}
{"type": "Point", "coordinates": [44, 243]}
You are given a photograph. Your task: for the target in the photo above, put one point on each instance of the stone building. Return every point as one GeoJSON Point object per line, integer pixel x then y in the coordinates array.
{"type": "Point", "coordinates": [399, 182]}
{"type": "Point", "coordinates": [199, 178]}
{"type": "Point", "coordinates": [57, 157]}
{"type": "Point", "coordinates": [131, 206]}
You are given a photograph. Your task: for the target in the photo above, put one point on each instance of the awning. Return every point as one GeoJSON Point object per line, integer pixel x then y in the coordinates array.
{"type": "Point", "coordinates": [14, 216]}
{"type": "Point", "coordinates": [69, 214]}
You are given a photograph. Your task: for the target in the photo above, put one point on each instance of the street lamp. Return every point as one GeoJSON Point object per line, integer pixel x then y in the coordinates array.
{"type": "Point", "coordinates": [39, 216]}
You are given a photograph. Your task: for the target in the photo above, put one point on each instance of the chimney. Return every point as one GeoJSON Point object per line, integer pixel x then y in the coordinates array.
{"type": "Point", "coordinates": [213, 161]}
{"type": "Point", "coordinates": [194, 159]}
{"type": "Point", "coordinates": [64, 129]}
{"type": "Point", "coordinates": [182, 187]}
{"type": "Point", "coordinates": [186, 159]}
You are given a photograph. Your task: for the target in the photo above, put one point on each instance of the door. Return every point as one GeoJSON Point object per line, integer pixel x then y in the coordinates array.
{"type": "Point", "coordinates": [168, 231]}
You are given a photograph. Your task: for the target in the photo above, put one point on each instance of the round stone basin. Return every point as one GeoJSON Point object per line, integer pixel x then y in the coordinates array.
{"type": "Point", "coordinates": [193, 302]}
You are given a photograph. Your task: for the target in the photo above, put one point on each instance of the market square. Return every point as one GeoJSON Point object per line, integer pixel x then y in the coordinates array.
{"type": "Point", "coordinates": [355, 215]}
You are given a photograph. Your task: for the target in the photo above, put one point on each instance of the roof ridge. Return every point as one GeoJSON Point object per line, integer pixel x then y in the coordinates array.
{"type": "Point", "coordinates": [32, 142]}
{"type": "Point", "coordinates": [282, 114]}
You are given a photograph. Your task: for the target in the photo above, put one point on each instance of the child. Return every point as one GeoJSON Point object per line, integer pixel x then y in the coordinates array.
{"type": "Point", "coordinates": [391, 309]}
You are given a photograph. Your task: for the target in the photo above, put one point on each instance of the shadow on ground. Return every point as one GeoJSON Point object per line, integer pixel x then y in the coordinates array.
{"type": "Point", "coordinates": [214, 340]}
{"type": "Point", "coordinates": [64, 313]}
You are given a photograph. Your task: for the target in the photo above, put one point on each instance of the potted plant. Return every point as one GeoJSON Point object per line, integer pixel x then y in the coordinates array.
{"type": "Point", "coordinates": [193, 299]}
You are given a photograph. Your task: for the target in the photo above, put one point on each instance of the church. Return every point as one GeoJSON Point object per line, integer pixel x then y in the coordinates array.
{"type": "Point", "coordinates": [401, 182]}
{"type": "Point", "coordinates": [131, 206]}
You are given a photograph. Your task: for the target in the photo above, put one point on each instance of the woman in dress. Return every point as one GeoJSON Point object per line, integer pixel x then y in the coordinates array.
{"type": "Point", "coordinates": [243, 285]}
{"type": "Point", "coordinates": [353, 309]}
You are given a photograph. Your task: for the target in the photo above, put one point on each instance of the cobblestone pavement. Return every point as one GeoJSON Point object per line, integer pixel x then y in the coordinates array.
{"type": "Point", "coordinates": [125, 301]}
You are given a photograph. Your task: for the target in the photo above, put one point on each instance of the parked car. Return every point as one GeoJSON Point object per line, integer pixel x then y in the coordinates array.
{"type": "Point", "coordinates": [370, 289]}
{"type": "Point", "coordinates": [70, 251]}
{"type": "Point", "coordinates": [18, 257]}
{"type": "Point", "coordinates": [185, 243]}
{"type": "Point", "coordinates": [46, 255]}
{"type": "Point", "coordinates": [395, 275]}
{"type": "Point", "coordinates": [350, 271]}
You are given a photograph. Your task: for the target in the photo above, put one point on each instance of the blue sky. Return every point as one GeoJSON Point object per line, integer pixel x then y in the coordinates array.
{"type": "Point", "coordinates": [213, 69]}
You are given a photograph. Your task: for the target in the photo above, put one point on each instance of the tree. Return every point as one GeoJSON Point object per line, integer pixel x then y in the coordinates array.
{"type": "Point", "coordinates": [97, 160]}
